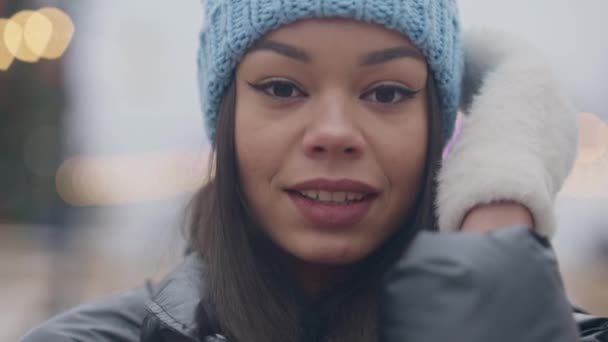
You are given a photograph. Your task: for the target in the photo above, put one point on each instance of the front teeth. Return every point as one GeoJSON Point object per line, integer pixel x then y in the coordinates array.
{"type": "Point", "coordinates": [335, 197]}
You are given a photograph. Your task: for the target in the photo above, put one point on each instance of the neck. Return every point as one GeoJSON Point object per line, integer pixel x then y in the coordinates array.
{"type": "Point", "coordinates": [318, 280]}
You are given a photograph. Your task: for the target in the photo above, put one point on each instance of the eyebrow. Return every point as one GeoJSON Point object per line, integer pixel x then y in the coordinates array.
{"type": "Point", "coordinates": [283, 49]}
{"type": "Point", "coordinates": [373, 58]}
{"type": "Point", "coordinates": [383, 56]}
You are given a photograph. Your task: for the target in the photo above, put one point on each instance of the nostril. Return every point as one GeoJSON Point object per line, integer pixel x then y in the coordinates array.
{"type": "Point", "coordinates": [349, 150]}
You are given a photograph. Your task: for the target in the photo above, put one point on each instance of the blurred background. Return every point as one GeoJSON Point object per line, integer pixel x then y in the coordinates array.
{"type": "Point", "coordinates": [102, 144]}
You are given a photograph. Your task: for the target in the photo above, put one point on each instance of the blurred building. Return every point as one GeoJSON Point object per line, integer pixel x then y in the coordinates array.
{"type": "Point", "coordinates": [99, 152]}
{"type": "Point", "coordinates": [31, 130]}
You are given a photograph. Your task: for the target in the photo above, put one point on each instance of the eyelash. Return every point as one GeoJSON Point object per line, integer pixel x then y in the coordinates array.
{"type": "Point", "coordinates": [405, 93]}
{"type": "Point", "coordinates": [266, 88]}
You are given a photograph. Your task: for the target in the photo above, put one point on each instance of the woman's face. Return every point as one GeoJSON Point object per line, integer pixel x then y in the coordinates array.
{"type": "Point", "coordinates": [331, 136]}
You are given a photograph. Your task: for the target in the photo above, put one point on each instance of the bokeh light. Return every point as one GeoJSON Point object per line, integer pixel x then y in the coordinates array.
{"type": "Point", "coordinates": [104, 181]}
{"type": "Point", "coordinates": [31, 35]}
{"type": "Point", "coordinates": [37, 33]}
{"type": "Point", "coordinates": [14, 38]}
{"type": "Point", "coordinates": [589, 176]}
{"type": "Point", "coordinates": [63, 31]}
{"type": "Point", "coordinates": [6, 57]}
{"type": "Point", "coordinates": [593, 138]}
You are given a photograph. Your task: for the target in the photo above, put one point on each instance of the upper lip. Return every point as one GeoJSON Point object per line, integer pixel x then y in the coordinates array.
{"type": "Point", "coordinates": [345, 185]}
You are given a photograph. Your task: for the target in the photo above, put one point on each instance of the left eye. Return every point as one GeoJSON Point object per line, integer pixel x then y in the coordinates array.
{"type": "Point", "coordinates": [388, 94]}
{"type": "Point", "coordinates": [279, 89]}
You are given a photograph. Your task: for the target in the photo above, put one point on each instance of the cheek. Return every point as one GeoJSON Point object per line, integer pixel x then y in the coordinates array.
{"type": "Point", "coordinates": [261, 147]}
{"type": "Point", "coordinates": [251, 152]}
{"type": "Point", "coordinates": [403, 155]}
{"type": "Point", "coordinates": [411, 152]}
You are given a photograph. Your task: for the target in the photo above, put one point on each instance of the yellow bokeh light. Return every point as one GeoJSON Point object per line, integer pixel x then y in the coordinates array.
{"type": "Point", "coordinates": [593, 138]}
{"type": "Point", "coordinates": [37, 33]}
{"type": "Point", "coordinates": [63, 31]}
{"type": "Point", "coordinates": [102, 181]}
{"type": "Point", "coordinates": [30, 35]}
{"type": "Point", "coordinates": [65, 182]}
{"type": "Point", "coordinates": [588, 177]}
{"type": "Point", "coordinates": [6, 57]}
{"type": "Point", "coordinates": [14, 38]}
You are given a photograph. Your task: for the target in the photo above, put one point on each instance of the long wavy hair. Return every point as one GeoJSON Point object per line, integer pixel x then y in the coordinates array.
{"type": "Point", "coordinates": [250, 292]}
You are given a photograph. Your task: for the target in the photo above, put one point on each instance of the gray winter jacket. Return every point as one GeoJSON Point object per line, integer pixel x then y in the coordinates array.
{"type": "Point", "coordinates": [503, 286]}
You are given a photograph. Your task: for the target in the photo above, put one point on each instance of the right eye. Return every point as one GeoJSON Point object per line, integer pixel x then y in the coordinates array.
{"type": "Point", "coordinates": [279, 88]}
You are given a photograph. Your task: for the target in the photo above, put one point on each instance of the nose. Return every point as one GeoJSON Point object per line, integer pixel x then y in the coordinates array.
{"type": "Point", "coordinates": [333, 130]}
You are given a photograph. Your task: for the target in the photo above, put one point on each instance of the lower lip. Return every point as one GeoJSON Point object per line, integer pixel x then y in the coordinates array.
{"type": "Point", "coordinates": [331, 215]}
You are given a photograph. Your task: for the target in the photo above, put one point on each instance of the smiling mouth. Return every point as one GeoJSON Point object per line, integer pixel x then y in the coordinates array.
{"type": "Point", "coordinates": [333, 204]}
{"type": "Point", "coordinates": [333, 197]}
{"type": "Point", "coordinates": [332, 209]}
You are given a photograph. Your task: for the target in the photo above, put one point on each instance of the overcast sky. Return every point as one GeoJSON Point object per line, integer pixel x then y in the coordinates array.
{"type": "Point", "coordinates": [571, 33]}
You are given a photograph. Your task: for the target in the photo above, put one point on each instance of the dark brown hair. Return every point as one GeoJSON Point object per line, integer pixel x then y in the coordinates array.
{"type": "Point", "coordinates": [251, 293]}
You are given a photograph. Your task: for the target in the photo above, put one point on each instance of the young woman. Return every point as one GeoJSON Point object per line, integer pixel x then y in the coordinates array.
{"type": "Point", "coordinates": [328, 119]}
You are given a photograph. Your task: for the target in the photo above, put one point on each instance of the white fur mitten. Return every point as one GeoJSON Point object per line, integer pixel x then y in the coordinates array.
{"type": "Point", "coordinates": [518, 141]}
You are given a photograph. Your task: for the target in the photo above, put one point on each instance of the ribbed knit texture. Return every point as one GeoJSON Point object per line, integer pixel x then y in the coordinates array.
{"type": "Point", "coordinates": [230, 27]}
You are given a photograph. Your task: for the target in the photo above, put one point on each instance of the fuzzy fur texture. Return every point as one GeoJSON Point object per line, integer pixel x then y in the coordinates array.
{"type": "Point", "coordinates": [518, 141]}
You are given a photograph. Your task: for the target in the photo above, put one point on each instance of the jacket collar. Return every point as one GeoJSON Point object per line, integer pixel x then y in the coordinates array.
{"type": "Point", "coordinates": [175, 299]}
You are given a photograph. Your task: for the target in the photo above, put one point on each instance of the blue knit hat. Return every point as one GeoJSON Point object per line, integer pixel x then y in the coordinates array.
{"type": "Point", "coordinates": [232, 26]}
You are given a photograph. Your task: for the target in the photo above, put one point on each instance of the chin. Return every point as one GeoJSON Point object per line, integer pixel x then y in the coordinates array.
{"type": "Point", "coordinates": [331, 255]}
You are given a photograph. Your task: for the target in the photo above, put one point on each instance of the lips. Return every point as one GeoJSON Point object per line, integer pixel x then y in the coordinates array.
{"type": "Point", "coordinates": [333, 204]}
